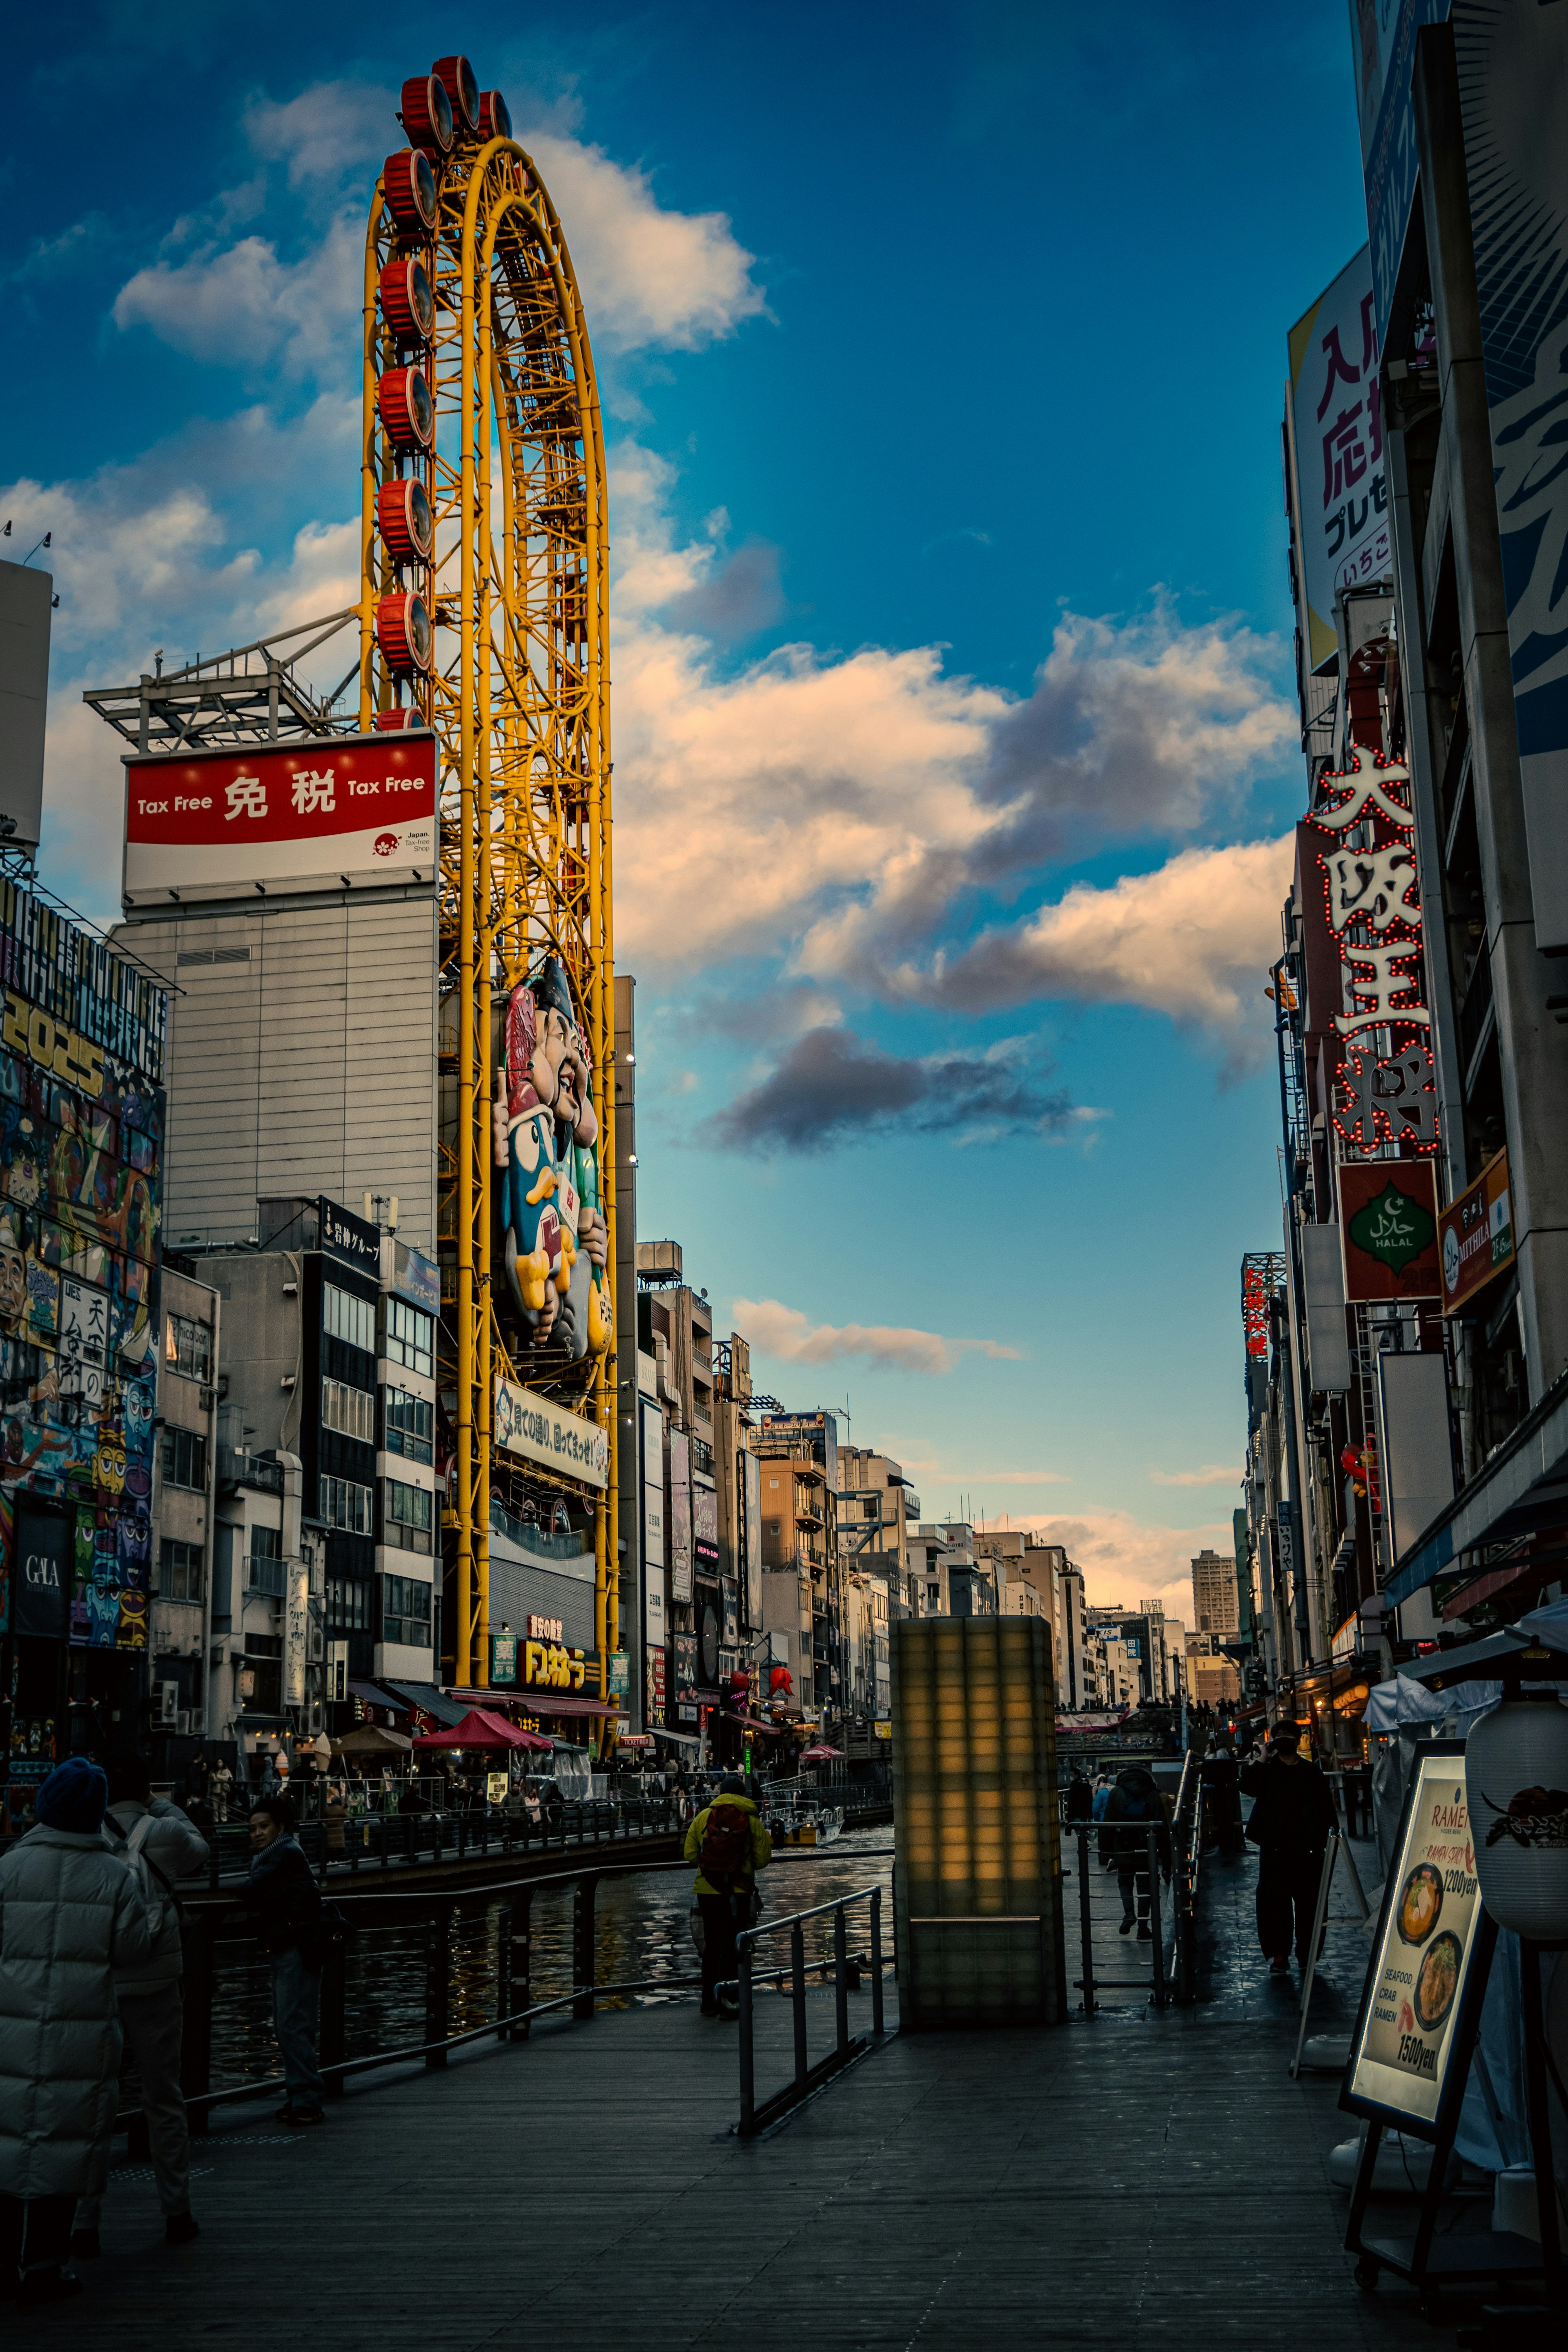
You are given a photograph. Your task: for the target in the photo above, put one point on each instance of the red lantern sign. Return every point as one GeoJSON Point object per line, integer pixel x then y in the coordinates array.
{"type": "Point", "coordinates": [457, 77]}
{"type": "Point", "coordinates": [404, 518]}
{"type": "Point", "coordinates": [426, 113]}
{"type": "Point", "coordinates": [407, 303]}
{"type": "Point", "coordinates": [404, 634]}
{"type": "Point", "coordinates": [407, 411]}
{"type": "Point", "coordinates": [409, 185]}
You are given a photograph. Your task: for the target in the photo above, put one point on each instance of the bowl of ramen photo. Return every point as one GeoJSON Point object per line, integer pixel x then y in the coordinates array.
{"type": "Point", "coordinates": [1420, 1900]}
{"type": "Point", "coordinates": [1437, 1981]}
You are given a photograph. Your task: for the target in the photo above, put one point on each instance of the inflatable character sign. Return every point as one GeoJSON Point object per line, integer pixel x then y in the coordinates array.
{"type": "Point", "coordinates": [546, 1136]}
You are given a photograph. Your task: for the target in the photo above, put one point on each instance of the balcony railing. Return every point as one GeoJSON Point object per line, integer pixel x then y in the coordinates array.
{"type": "Point", "coordinates": [266, 1574]}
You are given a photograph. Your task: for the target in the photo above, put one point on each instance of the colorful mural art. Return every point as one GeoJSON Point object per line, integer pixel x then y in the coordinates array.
{"type": "Point", "coordinates": [81, 1131]}
{"type": "Point", "coordinates": [546, 1136]}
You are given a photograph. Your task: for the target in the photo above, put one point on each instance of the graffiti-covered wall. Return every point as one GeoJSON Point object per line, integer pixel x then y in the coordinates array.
{"type": "Point", "coordinates": [81, 1131]}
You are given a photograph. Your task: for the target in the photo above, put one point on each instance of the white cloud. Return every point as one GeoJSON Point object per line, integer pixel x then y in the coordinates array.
{"type": "Point", "coordinates": [650, 278]}
{"type": "Point", "coordinates": [837, 809]}
{"type": "Point", "coordinates": [1193, 939]}
{"type": "Point", "coordinates": [240, 306]}
{"type": "Point", "coordinates": [1126, 1559]}
{"type": "Point", "coordinates": [1212, 1474]}
{"type": "Point", "coordinates": [790, 1337]}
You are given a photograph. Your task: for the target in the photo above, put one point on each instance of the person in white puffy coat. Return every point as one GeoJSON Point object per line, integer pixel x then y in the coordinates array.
{"type": "Point", "coordinates": [70, 1913]}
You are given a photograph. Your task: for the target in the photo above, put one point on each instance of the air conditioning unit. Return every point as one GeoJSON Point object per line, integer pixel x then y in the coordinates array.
{"type": "Point", "coordinates": [183, 1722]}
{"type": "Point", "coordinates": [197, 1719]}
{"type": "Point", "coordinates": [168, 1703]}
{"type": "Point", "coordinates": [208, 1399]}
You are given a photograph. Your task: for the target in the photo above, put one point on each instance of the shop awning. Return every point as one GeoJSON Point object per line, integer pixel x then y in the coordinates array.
{"type": "Point", "coordinates": [1522, 1490]}
{"type": "Point", "coordinates": [373, 1739]}
{"type": "Point", "coordinates": [481, 1729]}
{"type": "Point", "coordinates": [428, 1699]}
{"type": "Point", "coordinates": [560, 1704]}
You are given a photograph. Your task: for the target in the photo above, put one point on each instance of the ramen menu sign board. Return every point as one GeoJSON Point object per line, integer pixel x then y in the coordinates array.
{"type": "Point", "coordinates": [1415, 1995]}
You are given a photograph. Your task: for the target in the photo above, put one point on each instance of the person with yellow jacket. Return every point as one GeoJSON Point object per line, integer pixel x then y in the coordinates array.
{"type": "Point", "coordinates": [728, 1842]}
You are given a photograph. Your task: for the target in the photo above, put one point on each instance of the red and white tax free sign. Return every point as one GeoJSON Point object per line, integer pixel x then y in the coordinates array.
{"type": "Point", "coordinates": [307, 816]}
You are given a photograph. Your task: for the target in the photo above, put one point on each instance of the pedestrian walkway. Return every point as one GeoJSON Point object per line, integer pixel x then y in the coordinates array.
{"type": "Point", "coordinates": [1144, 2180]}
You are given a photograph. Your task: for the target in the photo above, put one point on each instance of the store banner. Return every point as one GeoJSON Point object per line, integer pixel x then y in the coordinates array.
{"type": "Point", "coordinates": [1476, 1232]}
{"type": "Point", "coordinates": [538, 1429]}
{"type": "Point", "coordinates": [352, 809]}
{"type": "Point", "coordinates": [752, 1473]}
{"type": "Point", "coordinates": [1388, 1229]}
{"type": "Point", "coordinates": [704, 1522]}
{"type": "Point", "coordinates": [679, 1516]}
{"type": "Point", "coordinates": [1340, 487]}
{"type": "Point", "coordinates": [1405, 2036]}
{"type": "Point", "coordinates": [296, 1633]}
{"type": "Point", "coordinates": [46, 1549]}
{"type": "Point", "coordinates": [503, 1661]}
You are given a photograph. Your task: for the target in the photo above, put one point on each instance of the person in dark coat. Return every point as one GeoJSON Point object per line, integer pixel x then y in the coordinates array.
{"type": "Point", "coordinates": [1133, 1808]}
{"type": "Point", "coordinates": [1293, 1813]}
{"type": "Point", "coordinates": [1081, 1796]}
{"type": "Point", "coordinates": [284, 1900]}
{"type": "Point", "coordinates": [1221, 1787]}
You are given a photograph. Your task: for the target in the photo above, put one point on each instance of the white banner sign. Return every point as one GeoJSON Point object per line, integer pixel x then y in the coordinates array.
{"type": "Point", "coordinates": [530, 1425]}
{"type": "Point", "coordinates": [1336, 413]}
{"type": "Point", "coordinates": [295, 1633]}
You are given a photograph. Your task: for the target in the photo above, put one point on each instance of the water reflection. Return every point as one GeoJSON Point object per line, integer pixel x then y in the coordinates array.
{"type": "Point", "coordinates": [642, 1932]}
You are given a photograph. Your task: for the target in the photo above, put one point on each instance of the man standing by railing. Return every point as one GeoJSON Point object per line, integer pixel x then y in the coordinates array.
{"type": "Point", "coordinates": [728, 1842]}
{"type": "Point", "coordinates": [283, 1896]}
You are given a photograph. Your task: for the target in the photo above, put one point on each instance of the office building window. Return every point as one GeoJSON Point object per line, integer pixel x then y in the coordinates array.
{"type": "Point", "coordinates": [185, 1460]}
{"type": "Point", "coordinates": [407, 1515]}
{"type": "Point", "coordinates": [405, 1611]}
{"type": "Point", "coordinates": [179, 1571]}
{"type": "Point", "coordinates": [410, 1338]}
{"type": "Point", "coordinates": [410, 1425]}
{"type": "Point", "coordinates": [348, 1604]}
{"type": "Point", "coordinates": [188, 1347]}
{"type": "Point", "coordinates": [345, 1505]}
{"type": "Point", "coordinates": [351, 1412]}
{"type": "Point", "coordinates": [344, 1316]}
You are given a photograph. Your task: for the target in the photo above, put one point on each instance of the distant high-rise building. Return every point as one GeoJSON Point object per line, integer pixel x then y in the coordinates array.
{"type": "Point", "coordinates": [1214, 1606]}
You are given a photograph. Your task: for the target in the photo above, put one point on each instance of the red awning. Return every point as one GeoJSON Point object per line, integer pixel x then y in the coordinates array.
{"type": "Point", "coordinates": [480, 1730]}
{"type": "Point", "coordinates": [552, 1703]}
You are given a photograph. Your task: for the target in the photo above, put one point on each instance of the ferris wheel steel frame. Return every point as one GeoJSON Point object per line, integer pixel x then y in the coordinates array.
{"type": "Point", "coordinates": [521, 707]}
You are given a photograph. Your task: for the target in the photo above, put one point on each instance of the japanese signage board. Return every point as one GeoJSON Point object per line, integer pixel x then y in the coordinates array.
{"type": "Point", "coordinates": [679, 1516]}
{"type": "Point", "coordinates": [352, 1240]}
{"type": "Point", "coordinates": [1415, 1988]}
{"type": "Point", "coordinates": [653, 1609]}
{"type": "Point", "coordinates": [750, 1473]}
{"type": "Point", "coordinates": [411, 1276]}
{"type": "Point", "coordinates": [1341, 491]}
{"type": "Point", "coordinates": [46, 1546]}
{"type": "Point", "coordinates": [1476, 1235]}
{"type": "Point", "coordinates": [296, 1633]}
{"type": "Point", "coordinates": [538, 1429]}
{"type": "Point", "coordinates": [1388, 1229]}
{"type": "Point", "coordinates": [705, 1522]}
{"type": "Point", "coordinates": [312, 814]}
{"type": "Point", "coordinates": [654, 1689]}
{"type": "Point", "coordinates": [504, 1660]}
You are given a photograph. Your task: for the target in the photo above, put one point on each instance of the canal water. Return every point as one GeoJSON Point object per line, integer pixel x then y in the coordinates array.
{"type": "Point", "coordinates": [642, 1934]}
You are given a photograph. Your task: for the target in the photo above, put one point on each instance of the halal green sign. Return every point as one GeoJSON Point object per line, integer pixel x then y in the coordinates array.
{"type": "Point", "coordinates": [1392, 1228]}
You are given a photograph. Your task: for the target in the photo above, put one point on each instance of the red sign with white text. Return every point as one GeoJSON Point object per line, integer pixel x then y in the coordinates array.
{"type": "Point", "coordinates": [314, 813]}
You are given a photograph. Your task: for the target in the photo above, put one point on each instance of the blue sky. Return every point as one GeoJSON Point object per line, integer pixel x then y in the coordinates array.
{"type": "Point", "coordinates": [943, 351]}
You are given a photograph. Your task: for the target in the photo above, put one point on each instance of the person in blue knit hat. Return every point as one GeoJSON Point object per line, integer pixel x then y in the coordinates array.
{"type": "Point", "coordinates": [70, 1913]}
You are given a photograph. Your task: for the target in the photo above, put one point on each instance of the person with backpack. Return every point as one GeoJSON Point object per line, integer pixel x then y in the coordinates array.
{"type": "Point", "coordinates": [285, 1901]}
{"type": "Point", "coordinates": [728, 1842]}
{"type": "Point", "coordinates": [160, 1845]}
{"type": "Point", "coordinates": [71, 1915]}
{"type": "Point", "coordinates": [1134, 1808]}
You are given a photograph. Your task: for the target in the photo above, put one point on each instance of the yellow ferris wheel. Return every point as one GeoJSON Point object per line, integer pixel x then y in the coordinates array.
{"type": "Point", "coordinates": [483, 614]}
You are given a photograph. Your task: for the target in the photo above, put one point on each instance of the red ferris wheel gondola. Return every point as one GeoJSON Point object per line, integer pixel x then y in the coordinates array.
{"type": "Point", "coordinates": [407, 411]}
{"type": "Point", "coordinates": [426, 113]}
{"type": "Point", "coordinates": [404, 634]}
{"type": "Point", "coordinates": [404, 518]}
{"type": "Point", "coordinates": [407, 302]}
{"type": "Point", "coordinates": [409, 186]}
{"type": "Point", "coordinates": [495, 116]}
{"type": "Point", "coordinates": [458, 78]}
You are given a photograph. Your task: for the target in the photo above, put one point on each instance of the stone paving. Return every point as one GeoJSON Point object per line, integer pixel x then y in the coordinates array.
{"type": "Point", "coordinates": [1148, 2180]}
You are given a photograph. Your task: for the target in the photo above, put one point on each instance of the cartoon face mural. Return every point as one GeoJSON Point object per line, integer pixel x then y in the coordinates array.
{"type": "Point", "coordinates": [546, 1137]}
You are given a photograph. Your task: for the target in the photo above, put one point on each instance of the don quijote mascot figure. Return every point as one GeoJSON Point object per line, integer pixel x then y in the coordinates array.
{"type": "Point", "coordinates": [546, 1135]}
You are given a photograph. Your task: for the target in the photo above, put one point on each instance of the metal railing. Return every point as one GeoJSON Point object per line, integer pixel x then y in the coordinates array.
{"type": "Point", "coordinates": [352, 1842]}
{"type": "Point", "coordinates": [1186, 1860]}
{"type": "Point", "coordinates": [1145, 1874]}
{"type": "Point", "coordinates": [806, 2077]}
